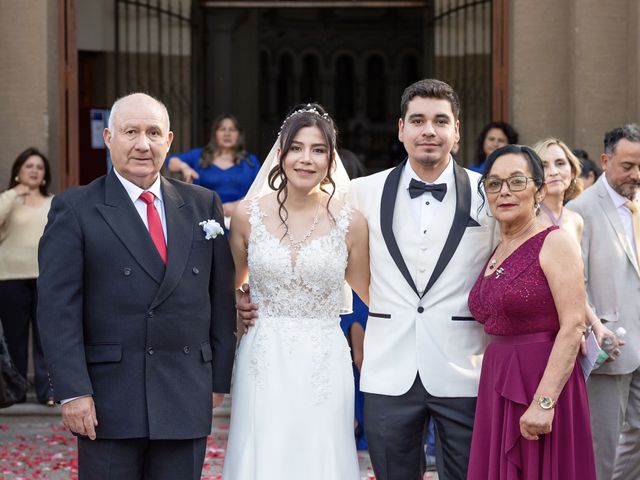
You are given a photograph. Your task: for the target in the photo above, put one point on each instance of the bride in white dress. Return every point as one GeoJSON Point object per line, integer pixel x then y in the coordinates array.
{"type": "Point", "coordinates": [292, 395]}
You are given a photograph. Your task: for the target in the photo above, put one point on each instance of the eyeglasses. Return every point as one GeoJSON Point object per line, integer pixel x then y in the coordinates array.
{"type": "Point", "coordinates": [517, 183]}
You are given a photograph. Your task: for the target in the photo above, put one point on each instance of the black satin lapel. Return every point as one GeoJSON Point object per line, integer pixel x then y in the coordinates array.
{"type": "Point", "coordinates": [180, 220]}
{"type": "Point", "coordinates": [123, 218]}
{"type": "Point", "coordinates": [460, 220]}
{"type": "Point", "coordinates": [387, 206]}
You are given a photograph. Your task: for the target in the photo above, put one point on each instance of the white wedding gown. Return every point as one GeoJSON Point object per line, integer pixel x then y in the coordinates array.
{"type": "Point", "coordinates": [292, 394]}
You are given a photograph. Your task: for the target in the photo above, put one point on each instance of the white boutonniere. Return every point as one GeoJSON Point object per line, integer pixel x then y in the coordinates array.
{"type": "Point", "coordinates": [211, 229]}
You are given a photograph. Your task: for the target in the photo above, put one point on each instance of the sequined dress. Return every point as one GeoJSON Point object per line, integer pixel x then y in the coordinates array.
{"type": "Point", "coordinates": [292, 394]}
{"type": "Point", "coordinates": [516, 307]}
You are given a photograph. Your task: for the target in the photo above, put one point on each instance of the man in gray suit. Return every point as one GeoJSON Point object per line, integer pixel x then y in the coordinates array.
{"type": "Point", "coordinates": [611, 251]}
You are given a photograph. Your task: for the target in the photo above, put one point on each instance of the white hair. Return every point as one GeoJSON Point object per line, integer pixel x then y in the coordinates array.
{"type": "Point", "coordinates": [116, 106]}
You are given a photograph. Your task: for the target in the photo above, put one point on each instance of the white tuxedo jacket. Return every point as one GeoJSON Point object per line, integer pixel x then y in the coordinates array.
{"type": "Point", "coordinates": [419, 321]}
{"type": "Point", "coordinates": [612, 275]}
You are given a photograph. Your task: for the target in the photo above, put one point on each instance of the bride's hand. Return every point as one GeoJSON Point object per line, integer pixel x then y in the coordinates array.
{"type": "Point", "coordinates": [247, 311]}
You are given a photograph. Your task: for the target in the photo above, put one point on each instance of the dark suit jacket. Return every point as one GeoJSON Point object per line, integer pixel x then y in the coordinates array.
{"type": "Point", "coordinates": [149, 342]}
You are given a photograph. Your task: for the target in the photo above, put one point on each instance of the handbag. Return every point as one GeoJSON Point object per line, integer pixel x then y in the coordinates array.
{"type": "Point", "coordinates": [13, 386]}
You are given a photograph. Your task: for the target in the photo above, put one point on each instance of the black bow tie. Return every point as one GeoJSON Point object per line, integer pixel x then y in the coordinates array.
{"type": "Point", "coordinates": [417, 188]}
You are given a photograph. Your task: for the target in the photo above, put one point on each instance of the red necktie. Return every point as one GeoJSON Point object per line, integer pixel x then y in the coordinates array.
{"type": "Point", "coordinates": [155, 226]}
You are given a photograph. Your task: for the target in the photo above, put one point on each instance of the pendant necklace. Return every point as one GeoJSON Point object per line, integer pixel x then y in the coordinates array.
{"type": "Point", "coordinates": [297, 244]}
{"type": "Point", "coordinates": [494, 261]}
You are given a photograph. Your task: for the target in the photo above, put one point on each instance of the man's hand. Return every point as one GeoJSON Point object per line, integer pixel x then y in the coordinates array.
{"type": "Point", "coordinates": [79, 416]}
{"type": "Point", "coordinates": [247, 311]}
{"type": "Point", "coordinates": [218, 398]}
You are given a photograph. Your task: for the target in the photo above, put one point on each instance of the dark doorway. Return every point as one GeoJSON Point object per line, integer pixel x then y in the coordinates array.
{"type": "Point", "coordinates": [354, 61]}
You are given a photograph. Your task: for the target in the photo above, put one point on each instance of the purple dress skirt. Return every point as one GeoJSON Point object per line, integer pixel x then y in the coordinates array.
{"type": "Point", "coordinates": [517, 309]}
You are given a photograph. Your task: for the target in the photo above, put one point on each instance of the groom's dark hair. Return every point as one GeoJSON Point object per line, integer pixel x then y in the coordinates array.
{"type": "Point", "coordinates": [430, 88]}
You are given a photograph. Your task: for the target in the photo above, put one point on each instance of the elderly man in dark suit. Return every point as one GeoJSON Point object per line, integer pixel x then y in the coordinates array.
{"type": "Point", "coordinates": [136, 307]}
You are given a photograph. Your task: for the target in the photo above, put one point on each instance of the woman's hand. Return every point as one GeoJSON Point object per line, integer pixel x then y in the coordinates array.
{"type": "Point", "coordinates": [601, 332]}
{"type": "Point", "coordinates": [21, 190]}
{"type": "Point", "coordinates": [188, 173]}
{"type": "Point", "coordinates": [536, 421]}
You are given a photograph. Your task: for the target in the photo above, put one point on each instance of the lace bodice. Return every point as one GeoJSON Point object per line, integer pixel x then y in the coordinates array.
{"type": "Point", "coordinates": [311, 288]}
{"type": "Point", "coordinates": [516, 299]}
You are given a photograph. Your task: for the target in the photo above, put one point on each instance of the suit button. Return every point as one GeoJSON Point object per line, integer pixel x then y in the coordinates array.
{"type": "Point", "coordinates": [195, 270]}
{"type": "Point", "coordinates": [150, 351]}
{"type": "Point", "coordinates": [420, 309]}
{"type": "Point", "coordinates": [126, 271]}
{"type": "Point", "coordinates": [186, 349]}
{"type": "Point", "coordinates": [150, 314]}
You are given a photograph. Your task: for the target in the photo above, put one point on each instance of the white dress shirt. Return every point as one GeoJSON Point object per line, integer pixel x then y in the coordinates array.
{"type": "Point", "coordinates": [624, 213]}
{"type": "Point", "coordinates": [134, 193]}
{"type": "Point", "coordinates": [425, 206]}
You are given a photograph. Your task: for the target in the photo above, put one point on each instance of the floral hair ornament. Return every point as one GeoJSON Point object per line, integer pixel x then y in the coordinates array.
{"type": "Point", "coordinates": [308, 109]}
{"type": "Point", "coordinates": [211, 229]}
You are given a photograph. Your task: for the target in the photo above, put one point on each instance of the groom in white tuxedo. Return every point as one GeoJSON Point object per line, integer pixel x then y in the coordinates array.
{"type": "Point", "coordinates": [428, 243]}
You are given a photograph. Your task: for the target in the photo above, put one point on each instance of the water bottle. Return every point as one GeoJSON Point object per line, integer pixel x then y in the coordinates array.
{"type": "Point", "coordinates": [607, 349]}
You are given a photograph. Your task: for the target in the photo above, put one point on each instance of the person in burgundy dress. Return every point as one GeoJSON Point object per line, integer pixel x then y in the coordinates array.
{"type": "Point", "coordinates": [532, 415]}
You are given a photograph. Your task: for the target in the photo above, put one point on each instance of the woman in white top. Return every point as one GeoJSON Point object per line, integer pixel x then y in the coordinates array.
{"type": "Point", "coordinates": [23, 214]}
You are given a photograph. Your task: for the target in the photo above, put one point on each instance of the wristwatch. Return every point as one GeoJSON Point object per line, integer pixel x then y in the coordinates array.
{"type": "Point", "coordinates": [546, 403]}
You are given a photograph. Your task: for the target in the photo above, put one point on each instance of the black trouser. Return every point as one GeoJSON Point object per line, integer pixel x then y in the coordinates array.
{"type": "Point", "coordinates": [396, 432]}
{"type": "Point", "coordinates": [18, 302]}
{"type": "Point", "coordinates": [141, 459]}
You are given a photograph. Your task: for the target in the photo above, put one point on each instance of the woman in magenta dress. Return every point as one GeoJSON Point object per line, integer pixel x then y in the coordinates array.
{"type": "Point", "coordinates": [532, 415]}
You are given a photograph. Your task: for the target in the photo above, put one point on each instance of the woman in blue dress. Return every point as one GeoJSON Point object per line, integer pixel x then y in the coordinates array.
{"type": "Point", "coordinates": [223, 165]}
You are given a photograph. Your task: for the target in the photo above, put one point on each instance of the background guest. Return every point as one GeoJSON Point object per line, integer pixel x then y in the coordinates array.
{"type": "Point", "coordinates": [562, 178]}
{"type": "Point", "coordinates": [352, 164]}
{"type": "Point", "coordinates": [354, 324]}
{"type": "Point", "coordinates": [530, 299]}
{"type": "Point", "coordinates": [493, 135]}
{"type": "Point", "coordinates": [611, 252]}
{"type": "Point", "coordinates": [23, 215]}
{"type": "Point", "coordinates": [590, 169]}
{"type": "Point", "coordinates": [223, 165]}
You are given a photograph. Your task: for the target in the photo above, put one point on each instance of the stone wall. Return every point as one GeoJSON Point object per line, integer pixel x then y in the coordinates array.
{"type": "Point", "coordinates": [29, 80]}
{"type": "Point", "coordinates": [574, 69]}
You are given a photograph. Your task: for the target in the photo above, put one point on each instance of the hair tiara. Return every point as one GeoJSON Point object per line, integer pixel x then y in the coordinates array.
{"type": "Point", "coordinates": [307, 109]}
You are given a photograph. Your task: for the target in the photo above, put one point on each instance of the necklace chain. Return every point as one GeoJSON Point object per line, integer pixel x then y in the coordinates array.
{"type": "Point", "coordinates": [508, 251]}
{"type": "Point", "coordinates": [297, 244]}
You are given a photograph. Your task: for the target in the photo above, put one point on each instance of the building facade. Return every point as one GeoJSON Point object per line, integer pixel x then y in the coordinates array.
{"type": "Point", "coordinates": [567, 68]}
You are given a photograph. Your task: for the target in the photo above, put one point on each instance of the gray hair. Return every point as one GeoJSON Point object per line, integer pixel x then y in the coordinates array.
{"type": "Point", "coordinates": [116, 106]}
{"type": "Point", "coordinates": [630, 131]}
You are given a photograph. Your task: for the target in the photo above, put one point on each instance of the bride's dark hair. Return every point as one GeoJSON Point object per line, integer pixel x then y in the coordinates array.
{"type": "Point", "coordinates": [301, 116]}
